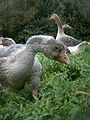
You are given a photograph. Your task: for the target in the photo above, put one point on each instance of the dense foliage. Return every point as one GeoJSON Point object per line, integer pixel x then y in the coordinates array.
{"type": "Point", "coordinates": [20, 19]}
{"type": "Point", "coordinates": [64, 92]}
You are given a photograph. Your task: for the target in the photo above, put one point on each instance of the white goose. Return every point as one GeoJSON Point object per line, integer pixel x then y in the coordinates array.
{"type": "Point", "coordinates": [74, 45]}
{"type": "Point", "coordinates": [20, 69]}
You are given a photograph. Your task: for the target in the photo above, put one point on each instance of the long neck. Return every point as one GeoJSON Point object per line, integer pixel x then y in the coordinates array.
{"type": "Point", "coordinates": [35, 44]}
{"type": "Point", "coordinates": [36, 47]}
{"type": "Point", "coordinates": [59, 25]}
{"type": "Point", "coordinates": [60, 32]}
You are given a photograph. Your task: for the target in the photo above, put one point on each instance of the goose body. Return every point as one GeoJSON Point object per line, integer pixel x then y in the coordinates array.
{"type": "Point", "coordinates": [19, 68]}
{"type": "Point", "coordinates": [68, 40]}
{"type": "Point", "coordinates": [78, 48]}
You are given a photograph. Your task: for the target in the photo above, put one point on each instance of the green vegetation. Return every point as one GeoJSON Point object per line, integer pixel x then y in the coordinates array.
{"type": "Point", "coordinates": [64, 92]}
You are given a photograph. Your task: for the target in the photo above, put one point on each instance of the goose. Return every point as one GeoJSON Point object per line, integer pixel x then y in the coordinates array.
{"type": "Point", "coordinates": [74, 45]}
{"type": "Point", "coordinates": [20, 69]}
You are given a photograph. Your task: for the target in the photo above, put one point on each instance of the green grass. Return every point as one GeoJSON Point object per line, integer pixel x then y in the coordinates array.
{"type": "Point", "coordinates": [59, 93]}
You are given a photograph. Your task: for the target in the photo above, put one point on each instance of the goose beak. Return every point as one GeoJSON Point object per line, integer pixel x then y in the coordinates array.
{"type": "Point", "coordinates": [70, 27]}
{"type": "Point", "coordinates": [51, 18]}
{"type": "Point", "coordinates": [63, 57]}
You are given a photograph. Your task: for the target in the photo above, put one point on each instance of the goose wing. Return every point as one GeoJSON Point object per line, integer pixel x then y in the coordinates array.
{"type": "Point", "coordinates": [70, 41]}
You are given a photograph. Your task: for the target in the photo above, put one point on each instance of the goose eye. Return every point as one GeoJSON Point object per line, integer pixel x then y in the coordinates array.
{"type": "Point", "coordinates": [56, 48]}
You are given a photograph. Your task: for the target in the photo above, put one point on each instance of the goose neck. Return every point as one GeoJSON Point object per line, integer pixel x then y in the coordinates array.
{"type": "Point", "coordinates": [38, 43]}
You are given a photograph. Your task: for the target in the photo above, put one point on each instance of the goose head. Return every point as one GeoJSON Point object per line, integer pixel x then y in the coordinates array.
{"type": "Point", "coordinates": [57, 51]}
{"type": "Point", "coordinates": [66, 26]}
{"type": "Point", "coordinates": [52, 48]}
{"type": "Point", "coordinates": [56, 18]}
{"type": "Point", "coordinates": [6, 41]}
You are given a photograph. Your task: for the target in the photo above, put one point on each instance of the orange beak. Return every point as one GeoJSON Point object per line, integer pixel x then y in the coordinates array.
{"type": "Point", "coordinates": [63, 57]}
